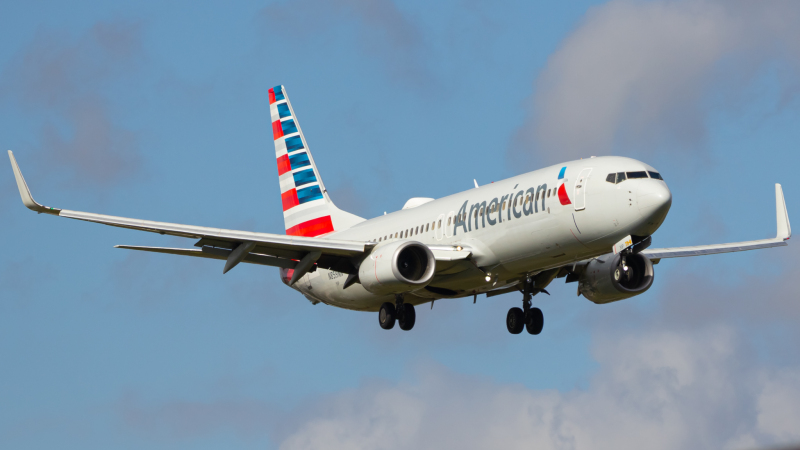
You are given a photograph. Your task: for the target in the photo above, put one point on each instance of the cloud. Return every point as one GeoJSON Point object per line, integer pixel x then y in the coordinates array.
{"type": "Point", "coordinates": [382, 31]}
{"type": "Point", "coordinates": [62, 82]}
{"type": "Point", "coordinates": [656, 389]}
{"type": "Point", "coordinates": [643, 76]}
{"type": "Point", "coordinates": [653, 390]}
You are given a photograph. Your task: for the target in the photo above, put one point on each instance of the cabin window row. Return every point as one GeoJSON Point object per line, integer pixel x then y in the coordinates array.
{"type": "Point", "coordinates": [432, 226]}
{"type": "Point", "coordinates": [410, 232]}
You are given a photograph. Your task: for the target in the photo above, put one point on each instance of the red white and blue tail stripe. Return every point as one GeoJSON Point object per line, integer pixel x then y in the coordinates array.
{"type": "Point", "coordinates": [307, 209]}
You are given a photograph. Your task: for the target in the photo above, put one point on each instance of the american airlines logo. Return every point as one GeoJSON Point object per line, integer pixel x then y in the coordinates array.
{"type": "Point", "coordinates": [522, 203]}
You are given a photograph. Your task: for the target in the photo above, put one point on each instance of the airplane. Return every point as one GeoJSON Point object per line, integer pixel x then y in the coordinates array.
{"type": "Point", "coordinates": [589, 221]}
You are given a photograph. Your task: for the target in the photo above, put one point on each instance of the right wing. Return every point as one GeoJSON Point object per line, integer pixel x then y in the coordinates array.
{"type": "Point", "coordinates": [262, 248]}
{"type": "Point", "coordinates": [784, 233]}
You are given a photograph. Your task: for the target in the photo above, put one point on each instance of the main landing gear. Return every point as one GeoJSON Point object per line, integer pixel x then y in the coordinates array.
{"type": "Point", "coordinates": [526, 317]}
{"type": "Point", "coordinates": [402, 312]}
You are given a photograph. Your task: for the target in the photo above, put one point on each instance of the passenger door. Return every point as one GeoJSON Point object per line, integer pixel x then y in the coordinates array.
{"type": "Point", "coordinates": [450, 224]}
{"type": "Point", "coordinates": [439, 232]}
{"type": "Point", "coordinates": [580, 189]}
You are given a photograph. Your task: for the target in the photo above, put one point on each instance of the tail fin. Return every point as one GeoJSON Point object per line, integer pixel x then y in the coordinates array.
{"type": "Point", "coordinates": [307, 207]}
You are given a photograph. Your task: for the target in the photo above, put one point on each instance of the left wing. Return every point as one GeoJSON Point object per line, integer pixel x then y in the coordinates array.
{"type": "Point", "coordinates": [784, 233]}
{"type": "Point", "coordinates": [300, 253]}
{"type": "Point", "coordinates": [232, 245]}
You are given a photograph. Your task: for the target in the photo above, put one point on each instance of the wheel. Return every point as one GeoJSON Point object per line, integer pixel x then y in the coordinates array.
{"type": "Point", "coordinates": [515, 321]}
{"type": "Point", "coordinates": [408, 317]}
{"type": "Point", "coordinates": [386, 316]}
{"type": "Point", "coordinates": [534, 321]}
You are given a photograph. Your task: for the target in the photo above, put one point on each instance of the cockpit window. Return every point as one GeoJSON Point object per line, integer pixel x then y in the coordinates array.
{"type": "Point", "coordinates": [616, 178]}
{"type": "Point", "coordinates": [655, 175]}
{"type": "Point", "coordinates": [632, 175]}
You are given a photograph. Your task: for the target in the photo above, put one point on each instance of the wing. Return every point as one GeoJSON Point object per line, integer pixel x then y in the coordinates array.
{"type": "Point", "coordinates": [299, 253]}
{"type": "Point", "coordinates": [784, 233]}
{"type": "Point", "coordinates": [231, 245]}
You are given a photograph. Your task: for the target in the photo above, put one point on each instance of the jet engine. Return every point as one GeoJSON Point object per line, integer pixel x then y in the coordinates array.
{"type": "Point", "coordinates": [611, 277]}
{"type": "Point", "coordinates": [397, 267]}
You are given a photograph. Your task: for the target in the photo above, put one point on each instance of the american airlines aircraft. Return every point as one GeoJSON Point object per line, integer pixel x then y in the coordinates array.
{"type": "Point", "coordinates": [589, 221]}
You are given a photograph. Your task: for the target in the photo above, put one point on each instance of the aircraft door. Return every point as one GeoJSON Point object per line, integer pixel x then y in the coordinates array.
{"type": "Point", "coordinates": [450, 224]}
{"type": "Point", "coordinates": [439, 232]}
{"type": "Point", "coordinates": [580, 189]}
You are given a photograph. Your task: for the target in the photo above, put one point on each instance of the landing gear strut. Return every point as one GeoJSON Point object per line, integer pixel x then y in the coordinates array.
{"type": "Point", "coordinates": [529, 318]}
{"type": "Point", "coordinates": [402, 312]}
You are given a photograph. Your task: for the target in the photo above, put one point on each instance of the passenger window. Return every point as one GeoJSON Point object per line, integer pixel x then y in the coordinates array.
{"type": "Point", "coordinates": [632, 175]}
{"type": "Point", "coordinates": [440, 224]}
{"type": "Point", "coordinates": [395, 235]}
{"type": "Point", "coordinates": [427, 226]}
{"type": "Point", "coordinates": [655, 175]}
{"type": "Point", "coordinates": [416, 230]}
{"type": "Point", "coordinates": [548, 193]}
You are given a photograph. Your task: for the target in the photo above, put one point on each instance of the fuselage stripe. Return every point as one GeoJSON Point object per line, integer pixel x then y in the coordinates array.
{"type": "Point", "coordinates": [312, 228]}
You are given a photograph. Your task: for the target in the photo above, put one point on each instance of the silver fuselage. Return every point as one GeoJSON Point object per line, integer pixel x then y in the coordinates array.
{"type": "Point", "coordinates": [516, 241]}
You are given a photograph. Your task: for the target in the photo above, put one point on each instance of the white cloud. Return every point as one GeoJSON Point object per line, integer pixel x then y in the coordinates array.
{"type": "Point", "coordinates": [639, 76]}
{"type": "Point", "coordinates": [779, 405]}
{"type": "Point", "coordinates": [653, 390]}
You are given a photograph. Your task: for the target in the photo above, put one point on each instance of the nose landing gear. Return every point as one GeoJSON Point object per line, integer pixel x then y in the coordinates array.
{"type": "Point", "coordinates": [402, 312]}
{"type": "Point", "coordinates": [527, 317]}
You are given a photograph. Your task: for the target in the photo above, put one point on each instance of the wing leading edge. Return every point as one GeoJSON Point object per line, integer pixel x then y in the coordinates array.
{"type": "Point", "coordinates": [784, 233]}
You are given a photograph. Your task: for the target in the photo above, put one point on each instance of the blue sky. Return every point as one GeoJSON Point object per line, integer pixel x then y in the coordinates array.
{"type": "Point", "coordinates": [159, 111]}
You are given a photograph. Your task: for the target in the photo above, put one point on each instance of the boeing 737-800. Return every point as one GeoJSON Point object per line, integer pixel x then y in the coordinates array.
{"type": "Point", "coordinates": [589, 221]}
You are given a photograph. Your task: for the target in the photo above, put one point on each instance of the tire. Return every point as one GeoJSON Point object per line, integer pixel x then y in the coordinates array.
{"type": "Point", "coordinates": [386, 316]}
{"type": "Point", "coordinates": [534, 321]}
{"type": "Point", "coordinates": [515, 321]}
{"type": "Point", "coordinates": [408, 318]}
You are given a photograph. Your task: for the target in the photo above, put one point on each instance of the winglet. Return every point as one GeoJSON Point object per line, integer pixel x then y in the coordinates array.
{"type": "Point", "coordinates": [25, 193]}
{"type": "Point", "coordinates": [784, 229]}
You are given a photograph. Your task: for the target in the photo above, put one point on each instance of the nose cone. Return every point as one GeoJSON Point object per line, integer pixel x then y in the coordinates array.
{"type": "Point", "coordinates": [654, 200]}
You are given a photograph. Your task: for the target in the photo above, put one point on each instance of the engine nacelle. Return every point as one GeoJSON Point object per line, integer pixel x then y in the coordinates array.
{"type": "Point", "coordinates": [605, 279]}
{"type": "Point", "coordinates": [397, 267]}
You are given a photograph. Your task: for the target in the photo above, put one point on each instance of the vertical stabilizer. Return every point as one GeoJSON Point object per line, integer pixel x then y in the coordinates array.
{"type": "Point", "coordinates": [307, 207]}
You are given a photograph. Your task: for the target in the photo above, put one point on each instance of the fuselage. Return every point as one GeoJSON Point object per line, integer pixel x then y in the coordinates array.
{"type": "Point", "coordinates": [514, 228]}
